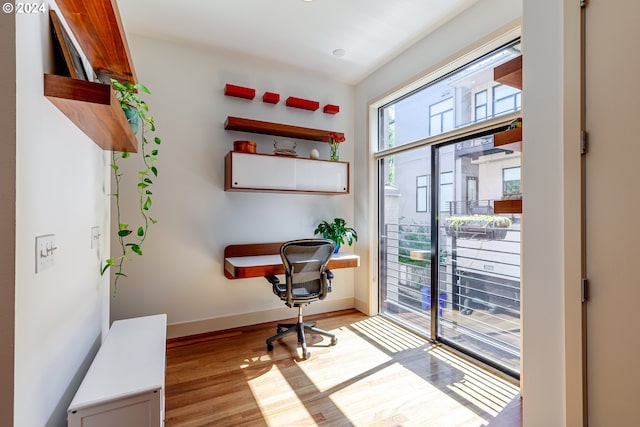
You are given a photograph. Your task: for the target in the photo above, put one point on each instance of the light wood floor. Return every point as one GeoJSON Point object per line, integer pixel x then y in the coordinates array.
{"type": "Point", "coordinates": [377, 375]}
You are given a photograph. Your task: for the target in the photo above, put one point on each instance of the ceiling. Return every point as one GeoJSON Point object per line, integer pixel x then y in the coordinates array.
{"type": "Point", "coordinates": [298, 33]}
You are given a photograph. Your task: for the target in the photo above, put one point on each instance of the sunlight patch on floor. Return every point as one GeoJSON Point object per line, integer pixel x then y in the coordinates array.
{"type": "Point", "coordinates": [327, 359]}
{"type": "Point", "coordinates": [481, 389]}
{"type": "Point", "coordinates": [412, 395]}
{"type": "Point", "coordinates": [387, 334]}
{"type": "Point", "coordinates": [281, 412]}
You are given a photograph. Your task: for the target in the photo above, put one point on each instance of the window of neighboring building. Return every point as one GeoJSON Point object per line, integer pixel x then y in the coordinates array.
{"type": "Point", "coordinates": [505, 99]}
{"type": "Point", "coordinates": [511, 180]}
{"type": "Point", "coordinates": [441, 116]}
{"type": "Point", "coordinates": [480, 106]}
{"type": "Point", "coordinates": [423, 193]}
{"type": "Point", "coordinates": [446, 190]}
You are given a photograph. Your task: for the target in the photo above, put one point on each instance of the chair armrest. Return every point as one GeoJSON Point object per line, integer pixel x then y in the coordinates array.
{"type": "Point", "coordinates": [329, 274]}
{"type": "Point", "coordinates": [273, 280]}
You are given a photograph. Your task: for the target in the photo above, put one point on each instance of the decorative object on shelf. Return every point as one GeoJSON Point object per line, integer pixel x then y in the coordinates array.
{"type": "Point", "coordinates": [131, 241]}
{"type": "Point", "coordinates": [284, 147]}
{"type": "Point", "coordinates": [271, 98]}
{"type": "Point", "coordinates": [72, 60]}
{"type": "Point", "coordinates": [337, 231]}
{"type": "Point", "coordinates": [239, 91]}
{"type": "Point", "coordinates": [304, 104]}
{"type": "Point", "coordinates": [244, 146]}
{"type": "Point", "coordinates": [482, 227]}
{"type": "Point", "coordinates": [314, 154]}
{"type": "Point", "coordinates": [331, 109]}
{"type": "Point", "coordinates": [334, 139]}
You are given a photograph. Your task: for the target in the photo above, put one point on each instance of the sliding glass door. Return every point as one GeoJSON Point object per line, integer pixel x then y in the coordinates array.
{"type": "Point", "coordinates": [449, 266]}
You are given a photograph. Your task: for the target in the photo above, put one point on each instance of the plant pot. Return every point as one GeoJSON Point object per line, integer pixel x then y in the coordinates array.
{"type": "Point", "coordinates": [132, 117]}
{"type": "Point", "coordinates": [335, 251]}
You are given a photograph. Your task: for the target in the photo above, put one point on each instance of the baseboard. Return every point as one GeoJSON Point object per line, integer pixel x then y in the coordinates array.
{"type": "Point", "coordinates": [362, 306]}
{"type": "Point", "coordinates": [228, 322]}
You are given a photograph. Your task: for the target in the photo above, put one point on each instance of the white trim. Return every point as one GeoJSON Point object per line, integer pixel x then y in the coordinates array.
{"type": "Point", "coordinates": [475, 128]}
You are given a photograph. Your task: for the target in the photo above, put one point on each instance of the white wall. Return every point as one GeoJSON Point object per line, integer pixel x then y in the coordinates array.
{"type": "Point", "coordinates": [62, 188]}
{"type": "Point", "coordinates": [181, 272]}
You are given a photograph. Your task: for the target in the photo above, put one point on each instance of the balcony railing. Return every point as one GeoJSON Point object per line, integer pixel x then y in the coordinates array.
{"type": "Point", "coordinates": [478, 287]}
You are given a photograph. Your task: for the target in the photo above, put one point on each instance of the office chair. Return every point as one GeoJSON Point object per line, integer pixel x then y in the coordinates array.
{"type": "Point", "coordinates": [307, 281]}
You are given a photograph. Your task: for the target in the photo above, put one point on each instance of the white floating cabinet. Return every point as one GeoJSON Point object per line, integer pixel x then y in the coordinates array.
{"type": "Point", "coordinates": [124, 386]}
{"type": "Point", "coordinates": [265, 172]}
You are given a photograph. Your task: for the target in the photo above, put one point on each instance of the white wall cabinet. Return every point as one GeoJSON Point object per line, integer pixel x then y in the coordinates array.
{"type": "Point", "coordinates": [264, 172]}
{"type": "Point", "coordinates": [124, 385]}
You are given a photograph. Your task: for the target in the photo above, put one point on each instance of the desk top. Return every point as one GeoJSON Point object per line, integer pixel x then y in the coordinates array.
{"type": "Point", "coordinates": [260, 265]}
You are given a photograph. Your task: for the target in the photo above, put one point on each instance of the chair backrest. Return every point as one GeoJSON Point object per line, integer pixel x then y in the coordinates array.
{"type": "Point", "coordinates": [304, 264]}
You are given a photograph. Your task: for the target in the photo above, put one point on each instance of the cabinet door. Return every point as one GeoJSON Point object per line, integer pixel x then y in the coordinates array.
{"type": "Point", "coordinates": [314, 175]}
{"type": "Point", "coordinates": [262, 172]}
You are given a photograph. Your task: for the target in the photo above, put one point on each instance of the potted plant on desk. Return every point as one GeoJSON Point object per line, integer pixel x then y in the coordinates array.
{"type": "Point", "coordinates": [337, 231]}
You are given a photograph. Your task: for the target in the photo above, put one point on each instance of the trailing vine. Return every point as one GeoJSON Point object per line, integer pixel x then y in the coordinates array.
{"type": "Point", "coordinates": [130, 241]}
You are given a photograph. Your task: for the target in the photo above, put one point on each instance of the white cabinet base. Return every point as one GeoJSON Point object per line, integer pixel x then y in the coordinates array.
{"type": "Point", "coordinates": [124, 386]}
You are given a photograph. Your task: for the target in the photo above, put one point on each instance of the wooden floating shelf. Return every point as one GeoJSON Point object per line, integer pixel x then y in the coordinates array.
{"type": "Point", "coordinates": [94, 108]}
{"type": "Point", "coordinates": [510, 139]}
{"type": "Point", "coordinates": [509, 73]}
{"type": "Point", "coordinates": [97, 26]}
{"type": "Point", "coordinates": [507, 206]}
{"type": "Point", "coordinates": [277, 129]}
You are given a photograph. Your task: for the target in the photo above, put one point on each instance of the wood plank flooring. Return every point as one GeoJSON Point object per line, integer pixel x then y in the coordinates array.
{"type": "Point", "coordinates": [378, 374]}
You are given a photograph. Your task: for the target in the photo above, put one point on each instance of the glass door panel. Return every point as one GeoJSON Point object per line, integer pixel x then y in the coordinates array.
{"type": "Point", "coordinates": [480, 253]}
{"type": "Point", "coordinates": [405, 238]}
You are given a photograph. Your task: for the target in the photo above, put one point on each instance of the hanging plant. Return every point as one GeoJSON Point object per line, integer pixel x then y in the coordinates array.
{"type": "Point", "coordinates": [131, 237]}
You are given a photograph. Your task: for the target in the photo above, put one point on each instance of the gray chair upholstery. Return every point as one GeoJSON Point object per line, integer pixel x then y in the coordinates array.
{"type": "Point", "coordinates": [306, 280]}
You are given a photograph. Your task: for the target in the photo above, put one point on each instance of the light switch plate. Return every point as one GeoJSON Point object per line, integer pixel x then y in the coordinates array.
{"type": "Point", "coordinates": [45, 252]}
{"type": "Point", "coordinates": [95, 237]}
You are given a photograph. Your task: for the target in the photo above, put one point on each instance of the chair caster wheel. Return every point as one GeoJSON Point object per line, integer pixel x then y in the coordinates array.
{"type": "Point", "coordinates": [334, 340]}
{"type": "Point", "coordinates": [269, 347]}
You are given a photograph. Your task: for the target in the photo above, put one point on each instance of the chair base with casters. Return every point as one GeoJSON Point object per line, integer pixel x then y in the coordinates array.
{"type": "Point", "coordinates": [307, 281]}
{"type": "Point", "coordinates": [299, 328]}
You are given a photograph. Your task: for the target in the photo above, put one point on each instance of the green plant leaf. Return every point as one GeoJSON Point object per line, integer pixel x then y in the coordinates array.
{"type": "Point", "coordinates": [108, 263]}
{"type": "Point", "coordinates": [147, 204]}
{"type": "Point", "coordinates": [153, 221]}
{"type": "Point", "coordinates": [114, 167]}
{"type": "Point", "coordinates": [157, 140]}
{"type": "Point", "coordinates": [123, 226]}
{"type": "Point", "coordinates": [124, 233]}
{"type": "Point", "coordinates": [125, 154]}
{"type": "Point", "coordinates": [136, 249]}
{"type": "Point", "coordinates": [154, 170]}
{"type": "Point", "coordinates": [140, 231]}
{"type": "Point", "coordinates": [120, 274]}
{"type": "Point", "coordinates": [142, 185]}
{"type": "Point", "coordinates": [148, 192]}
{"type": "Point", "coordinates": [148, 181]}
{"type": "Point", "coordinates": [154, 152]}
{"type": "Point", "coordinates": [141, 88]}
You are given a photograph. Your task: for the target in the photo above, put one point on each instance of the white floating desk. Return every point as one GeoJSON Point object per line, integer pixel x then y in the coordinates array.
{"type": "Point", "coordinates": [263, 259]}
